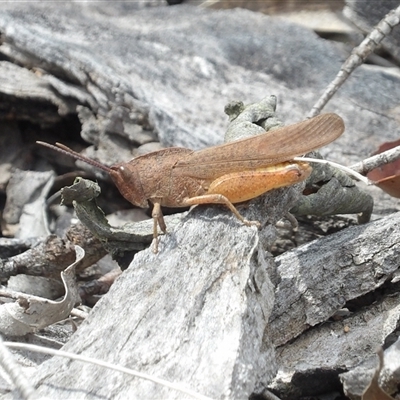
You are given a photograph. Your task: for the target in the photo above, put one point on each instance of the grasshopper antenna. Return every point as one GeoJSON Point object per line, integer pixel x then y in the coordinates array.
{"type": "Point", "coordinates": [69, 152]}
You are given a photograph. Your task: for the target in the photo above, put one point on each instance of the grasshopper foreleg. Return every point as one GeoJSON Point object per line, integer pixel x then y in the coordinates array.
{"type": "Point", "coordinates": [158, 219]}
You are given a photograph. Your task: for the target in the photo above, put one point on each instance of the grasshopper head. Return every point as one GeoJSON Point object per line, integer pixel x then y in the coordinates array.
{"type": "Point", "coordinates": [127, 181]}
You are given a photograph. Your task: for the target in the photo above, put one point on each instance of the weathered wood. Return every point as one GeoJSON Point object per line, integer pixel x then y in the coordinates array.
{"type": "Point", "coordinates": [317, 279]}
{"type": "Point", "coordinates": [26, 192]}
{"type": "Point", "coordinates": [355, 381]}
{"type": "Point", "coordinates": [37, 101]}
{"type": "Point", "coordinates": [193, 314]}
{"type": "Point", "coordinates": [334, 346]}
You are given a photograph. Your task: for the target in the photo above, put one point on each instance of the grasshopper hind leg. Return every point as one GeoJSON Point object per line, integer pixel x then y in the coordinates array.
{"type": "Point", "coordinates": [240, 186]}
{"type": "Point", "coordinates": [219, 199]}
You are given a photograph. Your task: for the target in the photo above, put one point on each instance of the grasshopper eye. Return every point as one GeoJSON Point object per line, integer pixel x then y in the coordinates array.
{"type": "Point", "coordinates": [124, 172]}
{"type": "Point", "coordinates": [127, 181]}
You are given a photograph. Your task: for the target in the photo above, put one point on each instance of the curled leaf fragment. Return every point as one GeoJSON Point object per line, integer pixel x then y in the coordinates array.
{"type": "Point", "coordinates": [31, 313]}
{"type": "Point", "coordinates": [374, 391]}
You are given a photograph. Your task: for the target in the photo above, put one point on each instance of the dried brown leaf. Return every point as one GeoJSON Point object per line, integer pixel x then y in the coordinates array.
{"type": "Point", "coordinates": [374, 391]}
{"type": "Point", "coordinates": [387, 176]}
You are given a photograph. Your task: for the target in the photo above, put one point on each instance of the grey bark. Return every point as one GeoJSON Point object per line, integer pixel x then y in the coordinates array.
{"type": "Point", "coordinates": [206, 333]}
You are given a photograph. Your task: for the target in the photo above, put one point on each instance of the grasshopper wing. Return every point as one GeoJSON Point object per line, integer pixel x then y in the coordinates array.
{"type": "Point", "coordinates": [262, 150]}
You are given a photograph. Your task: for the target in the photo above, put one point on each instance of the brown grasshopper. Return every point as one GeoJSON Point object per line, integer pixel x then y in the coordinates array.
{"type": "Point", "coordinates": [230, 173]}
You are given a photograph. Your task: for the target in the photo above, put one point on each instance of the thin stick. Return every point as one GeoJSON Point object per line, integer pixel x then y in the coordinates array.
{"type": "Point", "coordinates": [367, 165]}
{"type": "Point", "coordinates": [363, 167]}
{"type": "Point", "coordinates": [357, 57]}
{"type": "Point", "coordinates": [348, 170]}
{"type": "Point", "coordinates": [72, 356]}
{"type": "Point", "coordinates": [13, 370]}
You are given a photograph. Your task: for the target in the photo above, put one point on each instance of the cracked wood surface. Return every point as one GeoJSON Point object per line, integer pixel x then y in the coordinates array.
{"type": "Point", "coordinates": [317, 279]}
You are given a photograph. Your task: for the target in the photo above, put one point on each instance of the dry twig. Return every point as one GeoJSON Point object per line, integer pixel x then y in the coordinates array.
{"type": "Point", "coordinates": [357, 57]}
{"type": "Point", "coordinates": [72, 356]}
{"type": "Point", "coordinates": [13, 370]}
